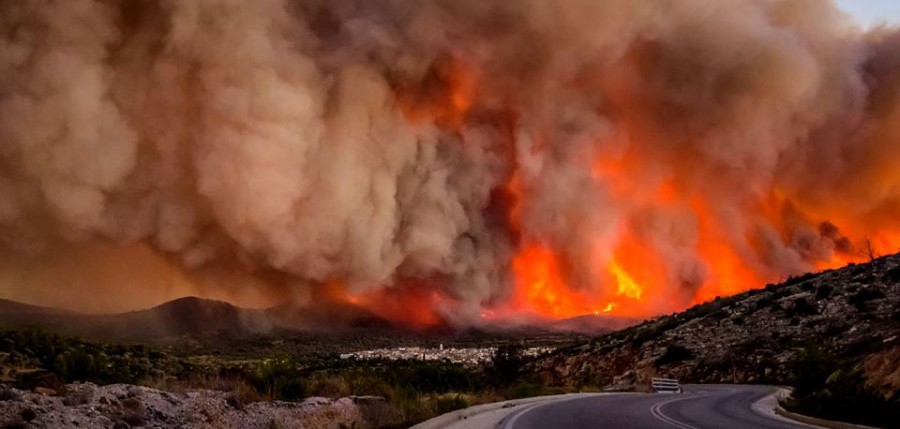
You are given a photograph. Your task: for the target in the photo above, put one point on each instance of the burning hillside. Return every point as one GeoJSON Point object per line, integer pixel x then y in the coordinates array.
{"type": "Point", "coordinates": [449, 161]}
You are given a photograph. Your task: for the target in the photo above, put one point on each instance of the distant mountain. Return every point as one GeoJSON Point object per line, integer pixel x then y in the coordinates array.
{"type": "Point", "coordinates": [199, 318]}
{"type": "Point", "coordinates": [851, 313]}
{"type": "Point", "coordinates": [186, 316]}
{"type": "Point", "coordinates": [12, 308]}
{"type": "Point", "coordinates": [584, 326]}
{"type": "Point", "coordinates": [19, 315]}
{"type": "Point", "coordinates": [190, 316]}
{"type": "Point", "coordinates": [204, 319]}
{"type": "Point", "coordinates": [592, 324]}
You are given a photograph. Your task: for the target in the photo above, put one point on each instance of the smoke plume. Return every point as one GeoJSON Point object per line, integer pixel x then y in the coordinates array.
{"type": "Point", "coordinates": [486, 157]}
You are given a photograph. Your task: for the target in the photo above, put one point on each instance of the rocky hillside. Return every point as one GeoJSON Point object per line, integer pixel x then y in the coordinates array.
{"type": "Point", "coordinates": [122, 406]}
{"type": "Point", "coordinates": [852, 313]}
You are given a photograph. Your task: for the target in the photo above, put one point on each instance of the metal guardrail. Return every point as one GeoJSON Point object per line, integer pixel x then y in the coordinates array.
{"type": "Point", "coordinates": [665, 385]}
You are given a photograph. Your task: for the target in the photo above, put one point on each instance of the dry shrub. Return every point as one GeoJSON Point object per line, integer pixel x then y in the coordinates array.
{"type": "Point", "coordinates": [329, 386]}
{"type": "Point", "coordinates": [241, 394]}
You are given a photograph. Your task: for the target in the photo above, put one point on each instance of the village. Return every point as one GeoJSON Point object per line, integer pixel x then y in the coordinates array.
{"type": "Point", "coordinates": [470, 356]}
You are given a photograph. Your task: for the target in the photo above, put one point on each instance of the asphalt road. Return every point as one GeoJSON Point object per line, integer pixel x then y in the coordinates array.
{"type": "Point", "coordinates": [699, 407]}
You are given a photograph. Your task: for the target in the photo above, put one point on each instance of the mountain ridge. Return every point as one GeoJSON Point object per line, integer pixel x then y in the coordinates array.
{"type": "Point", "coordinates": [208, 319]}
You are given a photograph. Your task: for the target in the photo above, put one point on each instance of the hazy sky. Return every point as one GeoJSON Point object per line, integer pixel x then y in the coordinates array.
{"type": "Point", "coordinates": [871, 12]}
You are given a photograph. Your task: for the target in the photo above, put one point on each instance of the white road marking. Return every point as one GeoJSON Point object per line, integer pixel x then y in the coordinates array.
{"type": "Point", "coordinates": [656, 411]}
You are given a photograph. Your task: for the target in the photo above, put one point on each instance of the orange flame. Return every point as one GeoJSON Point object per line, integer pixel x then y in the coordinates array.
{"type": "Point", "coordinates": [639, 281]}
{"type": "Point", "coordinates": [626, 285]}
{"type": "Point", "coordinates": [540, 286]}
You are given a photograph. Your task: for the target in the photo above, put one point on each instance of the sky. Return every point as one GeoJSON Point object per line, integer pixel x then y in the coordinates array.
{"type": "Point", "coordinates": [873, 12]}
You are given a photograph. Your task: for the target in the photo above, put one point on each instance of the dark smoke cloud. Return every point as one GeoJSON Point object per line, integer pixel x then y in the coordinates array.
{"type": "Point", "coordinates": [280, 135]}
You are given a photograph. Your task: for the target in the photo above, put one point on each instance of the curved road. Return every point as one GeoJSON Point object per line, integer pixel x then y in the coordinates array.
{"type": "Point", "coordinates": [699, 407]}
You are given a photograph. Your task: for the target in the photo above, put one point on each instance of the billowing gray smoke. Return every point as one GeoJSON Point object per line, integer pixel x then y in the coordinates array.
{"type": "Point", "coordinates": [374, 141]}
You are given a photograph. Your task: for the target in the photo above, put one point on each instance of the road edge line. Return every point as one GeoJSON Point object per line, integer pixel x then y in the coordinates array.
{"type": "Point", "coordinates": [465, 413]}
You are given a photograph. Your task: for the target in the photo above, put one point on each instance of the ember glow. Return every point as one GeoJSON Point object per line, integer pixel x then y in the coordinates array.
{"type": "Point", "coordinates": [412, 304]}
{"type": "Point", "coordinates": [452, 162]}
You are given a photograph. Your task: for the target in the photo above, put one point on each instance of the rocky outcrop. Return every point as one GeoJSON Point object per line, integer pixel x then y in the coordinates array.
{"type": "Point", "coordinates": [852, 313]}
{"type": "Point", "coordinates": [122, 406]}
